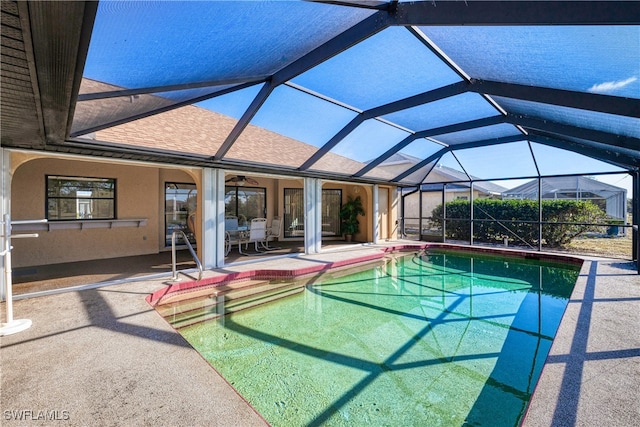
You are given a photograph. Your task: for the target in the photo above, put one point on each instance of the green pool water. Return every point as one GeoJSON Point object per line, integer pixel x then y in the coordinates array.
{"type": "Point", "coordinates": [435, 339]}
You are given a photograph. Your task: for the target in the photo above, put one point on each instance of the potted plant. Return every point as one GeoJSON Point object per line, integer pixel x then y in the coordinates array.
{"type": "Point", "coordinates": [349, 217]}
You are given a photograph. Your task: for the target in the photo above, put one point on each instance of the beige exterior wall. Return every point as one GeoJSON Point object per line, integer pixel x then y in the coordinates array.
{"type": "Point", "coordinates": [353, 190]}
{"type": "Point", "coordinates": [366, 224]}
{"type": "Point", "coordinates": [388, 217]}
{"type": "Point", "coordinates": [139, 195]}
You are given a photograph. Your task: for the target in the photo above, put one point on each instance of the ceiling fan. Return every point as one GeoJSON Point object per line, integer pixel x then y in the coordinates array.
{"type": "Point", "coordinates": [241, 180]}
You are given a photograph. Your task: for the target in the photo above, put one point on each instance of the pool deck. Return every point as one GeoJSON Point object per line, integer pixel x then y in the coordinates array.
{"type": "Point", "coordinates": [102, 356]}
{"type": "Point", "coordinates": [592, 374]}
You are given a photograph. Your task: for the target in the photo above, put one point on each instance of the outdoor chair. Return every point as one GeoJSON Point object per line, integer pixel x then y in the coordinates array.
{"type": "Point", "coordinates": [191, 224]}
{"type": "Point", "coordinates": [233, 236]}
{"type": "Point", "coordinates": [230, 239]}
{"type": "Point", "coordinates": [258, 233]}
{"type": "Point", "coordinates": [230, 223]}
{"type": "Point", "coordinates": [273, 233]}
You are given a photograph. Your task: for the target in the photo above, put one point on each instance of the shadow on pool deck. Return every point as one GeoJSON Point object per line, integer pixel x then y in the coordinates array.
{"type": "Point", "coordinates": [58, 276]}
{"type": "Point", "coordinates": [104, 356]}
{"type": "Point", "coordinates": [592, 373]}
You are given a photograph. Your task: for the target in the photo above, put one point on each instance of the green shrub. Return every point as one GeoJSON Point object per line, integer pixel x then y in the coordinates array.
{"type": "Point", "coordinates": [504, 215]}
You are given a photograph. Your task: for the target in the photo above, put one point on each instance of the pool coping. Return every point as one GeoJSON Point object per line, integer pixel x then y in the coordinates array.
{"type": "Point", "coordinates": [105, 356]}
{"type": "Point", "coordinates": [297, 273]}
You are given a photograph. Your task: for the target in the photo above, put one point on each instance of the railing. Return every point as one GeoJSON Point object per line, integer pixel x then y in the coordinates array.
{"type": "Point", "coordinates": [174, 277]}
{"type": "Point", "coordinates": [12, 326]}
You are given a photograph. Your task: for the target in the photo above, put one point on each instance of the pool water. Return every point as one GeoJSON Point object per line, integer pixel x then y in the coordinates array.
{"type": "Point", "coordinates": [427, 339]}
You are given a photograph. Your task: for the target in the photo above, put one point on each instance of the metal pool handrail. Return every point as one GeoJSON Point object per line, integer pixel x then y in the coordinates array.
{"type": "Point", "coordinates": [173, 254]}
{"type": "Point", "coordinates": [12, 325]}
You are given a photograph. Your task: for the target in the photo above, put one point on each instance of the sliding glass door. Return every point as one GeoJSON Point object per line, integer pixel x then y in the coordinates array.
{"type": "Point", "coordinates": [179, 210]}
{"type": "Point", "coordinates": [245, 203]}
{"type": "Point", "coordinates": [293, 220]}
{"type": "Point", "coordinates": [331, 204]}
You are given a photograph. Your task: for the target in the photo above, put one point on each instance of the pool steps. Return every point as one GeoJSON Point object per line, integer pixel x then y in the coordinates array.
{"type": "Point", "coordinates": [187, 303]}
{"type": "Point", "coordinates": [189, 308]}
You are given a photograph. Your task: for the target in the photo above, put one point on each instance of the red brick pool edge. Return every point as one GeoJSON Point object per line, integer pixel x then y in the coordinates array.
{"type": "Point", "coordinates": [291, 274]}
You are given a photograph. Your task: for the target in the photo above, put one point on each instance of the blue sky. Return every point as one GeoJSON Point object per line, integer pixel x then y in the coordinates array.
{"type": "Point", "coordinates": [142, 44]}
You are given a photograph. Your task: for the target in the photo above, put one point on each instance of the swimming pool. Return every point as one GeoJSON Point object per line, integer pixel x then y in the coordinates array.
{"type": "Point", "coordinates": [432, 338]}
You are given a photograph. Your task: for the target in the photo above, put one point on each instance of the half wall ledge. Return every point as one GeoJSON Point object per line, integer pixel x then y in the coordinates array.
{"type": "Point", "coordinates": [80, 224]}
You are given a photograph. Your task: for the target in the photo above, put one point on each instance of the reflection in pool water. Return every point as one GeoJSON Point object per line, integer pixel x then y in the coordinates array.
{"type": "Point", "coordinates": [427, 339]}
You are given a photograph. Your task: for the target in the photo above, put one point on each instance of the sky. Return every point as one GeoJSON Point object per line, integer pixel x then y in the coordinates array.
{"type": "Point", "coordinates": [619, 180]}
{"type": "Point", "coordinates": [146, 44]}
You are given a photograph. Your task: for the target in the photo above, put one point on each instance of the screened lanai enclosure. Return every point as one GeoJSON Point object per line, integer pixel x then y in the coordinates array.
{"type": "Point", "coordinates": [609, 198]}
{"type": "Point", "coordinates": [573, 213]}
{"type": "Point", "coordinates": [499, 93]}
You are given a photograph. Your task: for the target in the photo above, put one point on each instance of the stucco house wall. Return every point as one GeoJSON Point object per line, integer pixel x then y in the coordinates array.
{"type": "Point", "coordinates": [139, 195]}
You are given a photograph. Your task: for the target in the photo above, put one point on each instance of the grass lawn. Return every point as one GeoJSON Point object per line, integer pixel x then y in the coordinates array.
{"type": "Point", "coordinates": [606, 246]}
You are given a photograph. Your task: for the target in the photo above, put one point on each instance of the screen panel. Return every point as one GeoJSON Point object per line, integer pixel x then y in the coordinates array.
{"type": "Point", "coordinates": [289, 128]}
{"type": "Point", "coordinates": [444, 112]}
{"type": "Point", "coordinates": [378, 63]}
{"type": "Point", "coordinates": [510, 160]}
{"type": "Point", "coordinates": [555, 161]}
{"type": "Point", "coordinates": [146, 44]}
{"type": "Point", "coordinates": [599, 59]}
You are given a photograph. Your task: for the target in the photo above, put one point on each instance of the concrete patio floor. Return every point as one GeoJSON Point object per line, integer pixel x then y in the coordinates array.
{"type": "Point", "coordinates": [103, 356]}
{"type": "Point", "coordinates": [592, 374]}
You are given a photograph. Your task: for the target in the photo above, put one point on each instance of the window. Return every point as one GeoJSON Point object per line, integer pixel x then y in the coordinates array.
{"type": "Point", "coordinates": [331, 204]}
{"type": "Point", "coordinates": [293, 220]}
{"type": "Point", "coordinates": [73, 198]}
{"type": "Point", "coordinates": [294, 212]}
{"type": "Point", "coordinates": [245, 203]}
{"type": "Point", "coordinates": [180, 201]}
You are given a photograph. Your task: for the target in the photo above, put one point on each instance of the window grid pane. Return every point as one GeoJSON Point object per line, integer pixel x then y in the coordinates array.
{"type": "Point", "coordinates": [293, 212]}
{"type": "Point", "coordinates": [246, 203]}
{"type": "Point", "coordinates": [331, 205]}
{"type": "Point", "coordinates": [72, 198]}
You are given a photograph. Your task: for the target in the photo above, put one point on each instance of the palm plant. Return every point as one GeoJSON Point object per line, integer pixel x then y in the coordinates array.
{"type": "Point", "coordinates": [349, 216]}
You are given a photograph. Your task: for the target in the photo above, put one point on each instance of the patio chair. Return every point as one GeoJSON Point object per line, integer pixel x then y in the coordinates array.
{"type": "Point", "coordinates": [229, 241]}
{"type": "Point", "coordinates": [191, 223]}
{"type": "Point", "coordinates": [233, 236]}
{"type": "Point", "coordinates": [273, 233]}
{"type": "Point", "coordinates": [258, 232]}
{"type": "Point", "coordinates": [230, 222]}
